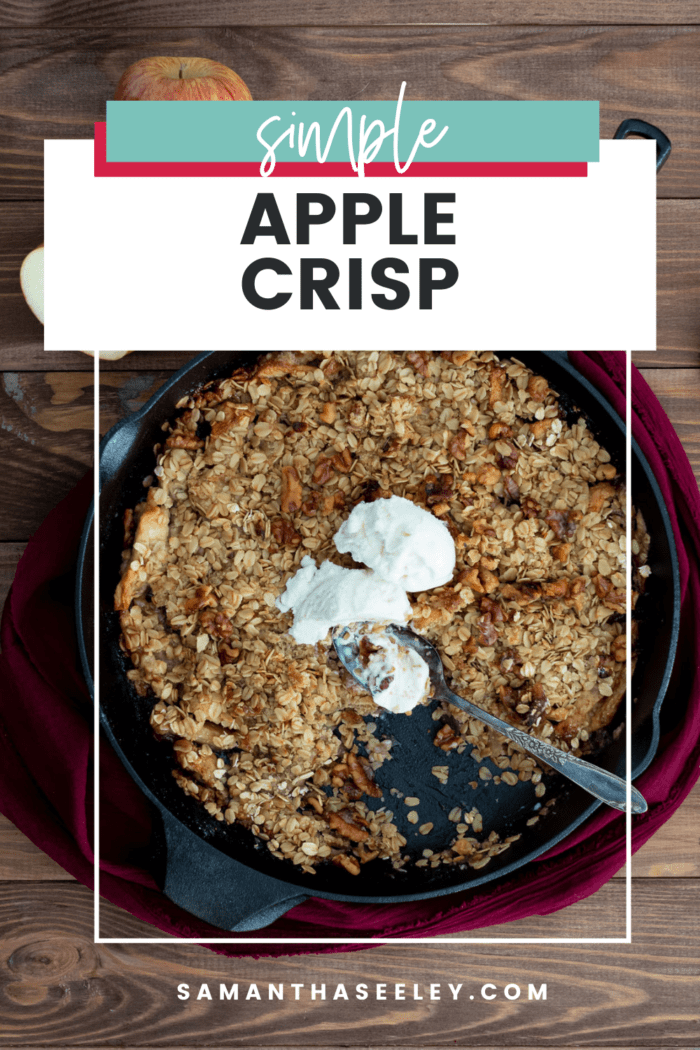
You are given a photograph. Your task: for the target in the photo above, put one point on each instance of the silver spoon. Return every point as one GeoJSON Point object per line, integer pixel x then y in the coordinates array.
{"type": "Point", "coordinates": [605, 786]}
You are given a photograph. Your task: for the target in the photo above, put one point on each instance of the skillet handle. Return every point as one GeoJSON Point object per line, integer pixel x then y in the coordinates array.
{"type": "Point", "coordinates": [647, 131]}
{"type": "Point", "coordinates": [217, 888]}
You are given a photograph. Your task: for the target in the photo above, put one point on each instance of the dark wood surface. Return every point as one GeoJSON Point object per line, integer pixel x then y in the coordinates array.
{"type": "Point", "coordinates": [55, 82]}
{"type": "Point", "coordinates": [379, 13]}
{"type": "Point", "coordinates": [62, 989]}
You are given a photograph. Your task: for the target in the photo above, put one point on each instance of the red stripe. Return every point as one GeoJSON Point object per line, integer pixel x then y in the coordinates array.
{"type": "Point", "coordinates": [333, 169]}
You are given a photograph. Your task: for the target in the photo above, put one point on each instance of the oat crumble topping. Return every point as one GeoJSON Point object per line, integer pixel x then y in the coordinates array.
{"type": "Point", "coordinates": [259, 470]}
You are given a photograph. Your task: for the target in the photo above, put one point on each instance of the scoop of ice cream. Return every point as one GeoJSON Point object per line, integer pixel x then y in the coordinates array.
{"type": "Point", "coordinates": [399, 540]}
{"type": "Point", "coordinates": [326, 597]}
{"type": "Point", "coordinates": [397, 677]}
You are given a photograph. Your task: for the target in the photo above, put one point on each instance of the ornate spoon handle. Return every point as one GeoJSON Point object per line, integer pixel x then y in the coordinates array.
{"type": "Point", "coordinates": [605, 786]}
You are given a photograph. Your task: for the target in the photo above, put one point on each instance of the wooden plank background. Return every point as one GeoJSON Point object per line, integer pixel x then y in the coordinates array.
{"type": "Point", "coordinates": [127, 993]}
{"type": "Point", "coordinates": [55, 82]}
{"type": "Point", "coordinates": [65, 13]}
{"type": "Point", "coordinates": [59, 62]}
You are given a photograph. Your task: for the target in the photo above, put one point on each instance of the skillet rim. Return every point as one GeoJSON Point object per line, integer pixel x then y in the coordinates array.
{"type": "Point", "coordinates": [294, 880]}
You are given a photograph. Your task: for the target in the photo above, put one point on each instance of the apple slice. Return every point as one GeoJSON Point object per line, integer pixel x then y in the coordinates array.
{"type": "Point", "coordinates": [108, 355]}
{"type": "Point", "coordinates": [31, 279]}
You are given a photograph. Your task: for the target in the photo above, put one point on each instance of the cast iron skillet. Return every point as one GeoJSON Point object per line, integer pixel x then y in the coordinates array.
{"type": "Point", "coordinates": [221, 873]}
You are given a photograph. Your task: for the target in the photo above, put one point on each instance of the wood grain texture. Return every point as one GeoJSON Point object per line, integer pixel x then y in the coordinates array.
{"type": "Point", "coordinates": [10, 553]}
{"type": "Point", "coordinates": [35, 359]}
{"type": "Point", "coordinates": [55, 82]}
{"type": "Point", "coordinates": [57, 988]}
{"type": "Point", "coordinates": [673, 852]}
{"type": "Point", "coordinates": [46, 436]}
{"type": "Point", "coordinates": [678, 299]}
{"type": "Point", "coordinates": [678, 277]}
{"type": "Point", "coordinates": [679, 392]}
{"type": "Point", "coordinates": [22, 861]}
{"type": "Point", "coordinates": [21, 230]}
{"type": "Point", "coordinates": [667, 359]}
{"type": "Point", "coordinates": [600, 915]}
{"type": "Point", "coordinates": [64, 13]}
{"type": "Point", "coordinates": [45, 448]}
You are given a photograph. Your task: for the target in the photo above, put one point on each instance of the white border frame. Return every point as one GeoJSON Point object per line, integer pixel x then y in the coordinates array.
{"type": "Point", "coordinates": [627, 939]}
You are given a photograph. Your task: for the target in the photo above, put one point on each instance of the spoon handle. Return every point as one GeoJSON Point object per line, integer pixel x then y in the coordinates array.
{"type": "Point", "coordinates": [603, 785]}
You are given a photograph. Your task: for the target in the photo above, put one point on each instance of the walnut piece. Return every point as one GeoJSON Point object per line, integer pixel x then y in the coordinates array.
{"type": "Point", "coordinates": [284, 533]}
{"type": "Point", "coordinates": [539, 429]}
{"type": "Point", "coordinates": [420, 359]}
{"type": "Point", "coordinates": [480, 579]}
{"type": "Point", "coordinates": [458, 357]}
{"type": "Point", "coordinates": [357, 415]}
{"type": "Point", "coordinates": [437, 488]}
{"type": "Point", "coordinates": [323, 471]}
{"type": "Point", "coordinates": [458, 445]}
{"type": "Point", "coordinates": [202, 599]}
{"type": "Point", "coordinates": [537, 388]}
{"type": "Point", "coordinates": [342, 461]}
{"type": "Point", "coordinates": [291, 491]}
{"type": "Point", "coordinates": [563, 523]}
{"type": "Point", "coordinates": [332, 501]}
{"type": "Point", "coordinates": [342, 860]}
{"type": "Point", "coordinates": [619, 649]}
{"type": "Point", "coordinates": [129, 527]}
{"type": "Point", "coordinates": [181, 440]}
{"type": "Point", "coordinates": [372, 491]}
{"type": "Point", "coordinates": [492, 614]}
{"type": "Point", "coordinates": [612, 597]}
{"type": "Point", "coordinates": [523, 594]}
{"type": "Point", "coordinates": [275, 369]}
{"type": "Point", "coordinates": [361, 773]}
{"type": "Point", "coordinates": [446, 738]}
{"type": "Point", "coordinates": [511, 488]}
{"type": "Point", "coordinates": [510, 461]}
{"type": "Point", "coordinates": [530, 507]}
{"type": "Point", "coordinates": [489, 475]}
{"type": "Point", "coordinates": [598, 496]}
{"type": "Point", "coordinates": [216, 624]}
{"type": "Point", "coordinates": [328, 413]}
{"type": "Point", "coordinates": [228, 655]}
{"type": "Point", "coordinates": [497, 378]}
{"type": "Point", "coordinates": [345, 824]}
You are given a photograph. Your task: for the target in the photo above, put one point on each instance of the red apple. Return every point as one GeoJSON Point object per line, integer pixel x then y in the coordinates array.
{"type": "Point", "coordinates": [180, 79]}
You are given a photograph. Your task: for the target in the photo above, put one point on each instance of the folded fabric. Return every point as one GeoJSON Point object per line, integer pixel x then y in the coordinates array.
{"type": "Point", "coordinates": [46, 720]}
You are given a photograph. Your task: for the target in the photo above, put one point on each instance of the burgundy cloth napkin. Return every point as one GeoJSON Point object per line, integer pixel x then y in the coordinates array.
{"type": "Point", "coordinates": [46, 741]}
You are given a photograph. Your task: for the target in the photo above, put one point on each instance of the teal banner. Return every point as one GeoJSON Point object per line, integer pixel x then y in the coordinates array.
{"type": "Point", "coordinates": [398, 131]}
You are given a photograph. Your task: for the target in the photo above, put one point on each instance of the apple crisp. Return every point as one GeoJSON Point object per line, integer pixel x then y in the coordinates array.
{"type": "Point", "coordinates": [259, 470]}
